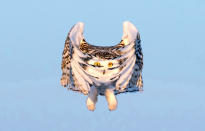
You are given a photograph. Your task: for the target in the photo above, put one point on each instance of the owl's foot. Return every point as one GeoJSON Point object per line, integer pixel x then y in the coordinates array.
{"type": "Point", "coordinates": [111, 99]}
{"type": "Point", "coordinates": [90, 104]}
{"type": "Point", "coordinates": [92, 99]}
{"type": "Point", "coordinates": [112, 106]}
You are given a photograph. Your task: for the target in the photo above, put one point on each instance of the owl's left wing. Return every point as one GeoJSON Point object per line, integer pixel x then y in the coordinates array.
{"type": "Point", "coordinates": [130, 76]}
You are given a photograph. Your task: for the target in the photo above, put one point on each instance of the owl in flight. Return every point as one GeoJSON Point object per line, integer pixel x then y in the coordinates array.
{"type": "Point", "coordinates": [102, 70]}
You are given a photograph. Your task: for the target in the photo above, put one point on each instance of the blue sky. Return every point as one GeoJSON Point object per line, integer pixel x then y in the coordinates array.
{"type": "Point", "coordinates": [32, 40]}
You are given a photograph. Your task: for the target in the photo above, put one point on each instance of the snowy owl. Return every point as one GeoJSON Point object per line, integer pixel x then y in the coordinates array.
{"type": "Point", "coordinates": [102, 70]}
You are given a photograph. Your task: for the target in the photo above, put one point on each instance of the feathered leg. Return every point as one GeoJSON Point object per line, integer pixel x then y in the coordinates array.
{"type": "Point", "coordinates": [92, 99]}
{"type": "Point", "coordinates": [111, 99]}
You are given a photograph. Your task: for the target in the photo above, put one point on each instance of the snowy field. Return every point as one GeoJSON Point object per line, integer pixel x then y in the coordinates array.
{"type": "Point", "coordinates": [32, 41]}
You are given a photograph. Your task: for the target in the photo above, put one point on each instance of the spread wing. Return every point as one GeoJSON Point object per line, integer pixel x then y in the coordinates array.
{"type": "Point", "coordinates": [73, 74]}
{"type": "Point", "coordinates": [130, 79]}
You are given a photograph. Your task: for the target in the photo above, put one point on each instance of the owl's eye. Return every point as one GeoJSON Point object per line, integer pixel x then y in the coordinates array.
{"type": "Point", "coordinates": [126, 42]}
{"type": "Point", "coordinates": [97, 64]}
{"type": "Point", "coordinates": [110, 64]}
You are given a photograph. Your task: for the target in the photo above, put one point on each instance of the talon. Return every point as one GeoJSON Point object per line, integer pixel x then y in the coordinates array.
{"type": "Point", "coordinates": [91, 107]}
{"type": "Point", "coordinates": [112, 107]}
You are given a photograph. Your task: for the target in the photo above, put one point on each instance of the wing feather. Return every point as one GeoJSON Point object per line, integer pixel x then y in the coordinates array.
{"type": "Point", "coordinates": [131, 80]}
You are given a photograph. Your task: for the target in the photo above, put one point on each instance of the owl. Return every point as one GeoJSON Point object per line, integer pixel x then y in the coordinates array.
{"type": "Point", "coordinates": [102, 70]}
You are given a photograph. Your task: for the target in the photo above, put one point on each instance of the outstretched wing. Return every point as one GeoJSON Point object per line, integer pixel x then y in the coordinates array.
{"type": "Point", "coordinates": [130, 79]}
{"type": "Point", "coordinates": [73, 73]}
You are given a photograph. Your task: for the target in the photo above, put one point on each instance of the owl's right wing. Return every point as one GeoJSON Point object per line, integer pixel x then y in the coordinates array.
{"type": "Point", "coordinates": [74, 75]}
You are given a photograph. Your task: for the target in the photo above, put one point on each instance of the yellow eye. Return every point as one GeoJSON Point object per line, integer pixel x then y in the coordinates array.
{"type": "Point", "coordinates": [110, 64]}
{"type": "Point", "coordinates": [97, 64]}
{"type": "Point", "coordinates": [126, 42]}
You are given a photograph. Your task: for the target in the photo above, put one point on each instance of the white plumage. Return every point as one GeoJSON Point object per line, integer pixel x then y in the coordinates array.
{"type": "Point", "coordinates": [107, 70]}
